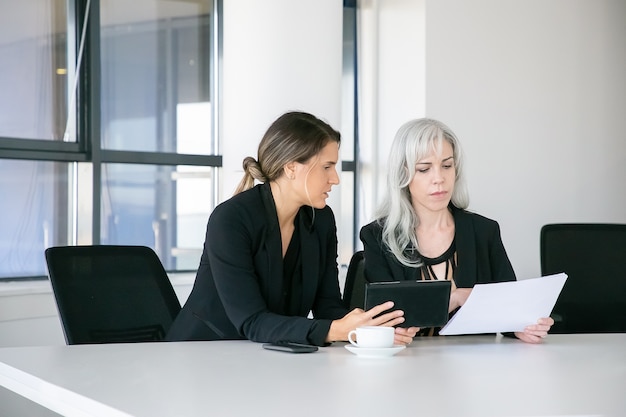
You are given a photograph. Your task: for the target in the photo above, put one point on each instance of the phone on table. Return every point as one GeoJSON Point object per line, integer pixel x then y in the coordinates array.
{"type": "Point", "coordinates": [291, 347]}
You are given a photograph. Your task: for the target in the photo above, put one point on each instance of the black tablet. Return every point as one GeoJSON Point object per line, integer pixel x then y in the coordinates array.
{"type": "Point", "coordinates": [425, 303]}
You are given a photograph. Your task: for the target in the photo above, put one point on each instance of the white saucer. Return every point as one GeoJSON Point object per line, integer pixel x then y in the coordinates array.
{"type": "Point", "coordinates": [375, 352]}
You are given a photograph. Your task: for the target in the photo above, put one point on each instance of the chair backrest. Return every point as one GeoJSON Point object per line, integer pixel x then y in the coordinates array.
{"type": "Point", "coordinates": [354, 288]}
{"type": "Point", "coordinates": [593, 299]}
{"type": "Point", "coordinates": [111, 294]}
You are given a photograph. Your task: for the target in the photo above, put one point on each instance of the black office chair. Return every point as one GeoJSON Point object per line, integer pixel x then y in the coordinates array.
{"type": "Point", "coordinates": [111, 294]}
{"type": "Point", "coordinates": [354, 288]}
{"type": "Point", "coordinates": [593, 299]}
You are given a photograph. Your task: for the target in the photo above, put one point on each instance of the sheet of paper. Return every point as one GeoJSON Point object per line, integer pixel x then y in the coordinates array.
{"type": "Point", "coordinates": [506, 306]}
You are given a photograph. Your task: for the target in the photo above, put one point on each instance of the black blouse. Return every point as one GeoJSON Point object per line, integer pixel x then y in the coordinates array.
{"type": "Point", "coordinates": [292, 276]}
{"type": "Point", "coordinates": [448, 257]}
{"type": "Point", "coordinates": [427, 273]}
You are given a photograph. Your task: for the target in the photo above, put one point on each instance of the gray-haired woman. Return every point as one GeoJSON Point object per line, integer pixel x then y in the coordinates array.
{"type": "Point", "coordinates": [423, 230]}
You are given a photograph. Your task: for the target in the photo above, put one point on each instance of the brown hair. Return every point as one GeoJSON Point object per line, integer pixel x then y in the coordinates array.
{"type": "Point", "coordinates": [293, 137]}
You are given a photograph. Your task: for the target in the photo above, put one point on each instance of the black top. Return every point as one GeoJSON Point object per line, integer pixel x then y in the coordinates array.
{"type": "Point", "coordinates": [449, 257]}
{"type": "Point", "coordinates": [292, 276]}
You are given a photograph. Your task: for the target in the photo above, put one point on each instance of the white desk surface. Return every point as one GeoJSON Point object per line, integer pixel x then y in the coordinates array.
{"type": "Point", "coordinates": [568, 375]}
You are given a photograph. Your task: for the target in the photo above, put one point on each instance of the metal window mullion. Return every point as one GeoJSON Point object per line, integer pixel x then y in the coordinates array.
{"type": "Point", "coordinates": [88, 110]}
{"type": "Point", "coordinates": [217, 47]}
{"type": "Point", "coordinates": [158, 158]}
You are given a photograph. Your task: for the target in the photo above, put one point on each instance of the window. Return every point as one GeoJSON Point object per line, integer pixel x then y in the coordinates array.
{"type": "Point", "coordinates": [34, 213]}
{"type": "Point", "coordinates": [348, 228]}
{"type": "Point", "coordinates": [155, 97]}
{"type": "Point", "coordinates": [109, 135]}
{"type": "Point", "coordinates": [33, 52]}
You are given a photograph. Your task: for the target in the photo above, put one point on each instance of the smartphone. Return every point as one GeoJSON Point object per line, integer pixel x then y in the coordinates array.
{"type": "Point", "coordinates": [291, 347]}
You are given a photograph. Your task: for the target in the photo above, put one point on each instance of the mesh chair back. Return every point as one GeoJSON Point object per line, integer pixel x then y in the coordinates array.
{"type": "Point", "coordinates": [593, 299]}
{"type": "Point", "coordinates": [110, 294]}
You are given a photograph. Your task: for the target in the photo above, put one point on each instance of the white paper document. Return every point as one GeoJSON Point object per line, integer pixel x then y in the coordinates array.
{"type": "Point", "coordinates": [506, 306]}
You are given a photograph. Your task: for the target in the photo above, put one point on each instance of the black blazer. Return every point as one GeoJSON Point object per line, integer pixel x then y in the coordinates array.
{"type": "Point", "coordinates": [481, 257]}
{"type": "Point", "coordinates": [238, 286]}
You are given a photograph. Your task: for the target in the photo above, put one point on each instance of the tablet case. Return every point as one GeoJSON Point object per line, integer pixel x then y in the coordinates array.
{"type": "Point", "coordinates": [425, 303]}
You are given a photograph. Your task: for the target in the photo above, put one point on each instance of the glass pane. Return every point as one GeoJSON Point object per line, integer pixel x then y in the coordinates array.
{"type": "Point", "coordinates": [33, 45]}
{"type": "Point", "coordinates": [156, 75]}
{"type": "Point", "coordinates": [163, 207]}
{"type": "Point", "coordinates": [34, 217]}
{"type": "Point", "coordinates": [348, 93]}
{"type": "Point", "coordinates": [345, 219]}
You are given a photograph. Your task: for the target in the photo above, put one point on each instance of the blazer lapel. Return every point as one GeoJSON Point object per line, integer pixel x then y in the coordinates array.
{"type": "Point", "coordinates": [465, 248]}
{"type": "Point", "coordinates": [273, 282]}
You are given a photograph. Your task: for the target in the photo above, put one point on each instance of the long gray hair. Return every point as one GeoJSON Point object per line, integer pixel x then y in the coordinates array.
{"type": "Point", "coordinates": [414, 141]}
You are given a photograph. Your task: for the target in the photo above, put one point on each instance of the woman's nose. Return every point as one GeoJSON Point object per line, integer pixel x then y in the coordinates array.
{"type": "Point", "coordinates": [334, 179]}
{"type": "Point", "coordinates": [437, 176]}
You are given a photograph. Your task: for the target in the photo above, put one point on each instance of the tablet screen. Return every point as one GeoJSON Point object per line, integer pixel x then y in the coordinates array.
{"type": "Point", "coordinates": [425, 303]}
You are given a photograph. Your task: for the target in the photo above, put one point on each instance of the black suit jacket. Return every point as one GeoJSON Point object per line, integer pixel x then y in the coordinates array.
{"type": "Point", "coordinates": [481, 257]}
{"type": "Point", "coordinates": [238, 287]}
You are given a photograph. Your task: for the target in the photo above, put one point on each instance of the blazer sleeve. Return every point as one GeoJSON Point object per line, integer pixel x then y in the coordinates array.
{"type": "Point", "coordinates": [500, 265]}
{"type": "Point", "coordinates": [481, 254]}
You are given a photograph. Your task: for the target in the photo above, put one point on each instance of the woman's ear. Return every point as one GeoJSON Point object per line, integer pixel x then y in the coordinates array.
{"type": "Point", "coordinates": [290, 170]}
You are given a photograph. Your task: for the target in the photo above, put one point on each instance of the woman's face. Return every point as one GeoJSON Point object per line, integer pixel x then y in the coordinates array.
{"type": "Point", "coordinates": [433, 183]}
{"type": "Point", "coordinates": [316, 177]}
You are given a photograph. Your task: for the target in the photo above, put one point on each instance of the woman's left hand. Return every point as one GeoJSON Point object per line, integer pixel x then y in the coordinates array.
{"type": "Point", "coordinates": [458, 297]}
{"type": "Point", "coordinates": [536, 332]}
{"type": "Point", "coordinates": [404, 336]}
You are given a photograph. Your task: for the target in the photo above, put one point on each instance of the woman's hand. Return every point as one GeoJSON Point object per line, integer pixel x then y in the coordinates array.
{"type": "Point", "coordinates": [536, 332]}
{"type": "Point", "coordinates": [458, 297]}
{"type": "Point", "coordinates": [404, 336]}
{"type": "Point", "coordinates": [339, 329]}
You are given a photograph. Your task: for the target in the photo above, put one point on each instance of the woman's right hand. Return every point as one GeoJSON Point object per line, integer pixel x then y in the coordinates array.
{"type": "Point", "coordinates": [339, 329]}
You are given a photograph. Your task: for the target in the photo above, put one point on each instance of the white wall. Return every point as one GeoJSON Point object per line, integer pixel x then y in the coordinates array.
{"type": "Point", "coordinates": [392, 85]}
{"type": "Point", "coordinates": [279, 55]}
{"type": "Point", "coordinates": [536, 92]}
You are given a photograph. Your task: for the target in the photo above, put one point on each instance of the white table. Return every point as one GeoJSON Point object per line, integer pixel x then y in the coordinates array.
{"type": "Point", "coordinates": [569, 375]}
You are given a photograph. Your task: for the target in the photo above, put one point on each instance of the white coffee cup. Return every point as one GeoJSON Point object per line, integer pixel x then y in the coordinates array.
{"type": "Point", "coordinates": [372, 337]}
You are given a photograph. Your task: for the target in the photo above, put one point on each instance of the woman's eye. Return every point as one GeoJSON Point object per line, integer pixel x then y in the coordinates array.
{"type": "Point", "coordinates": [422, 170]}
{"type": "Point", "coordinates": [447, 166]}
